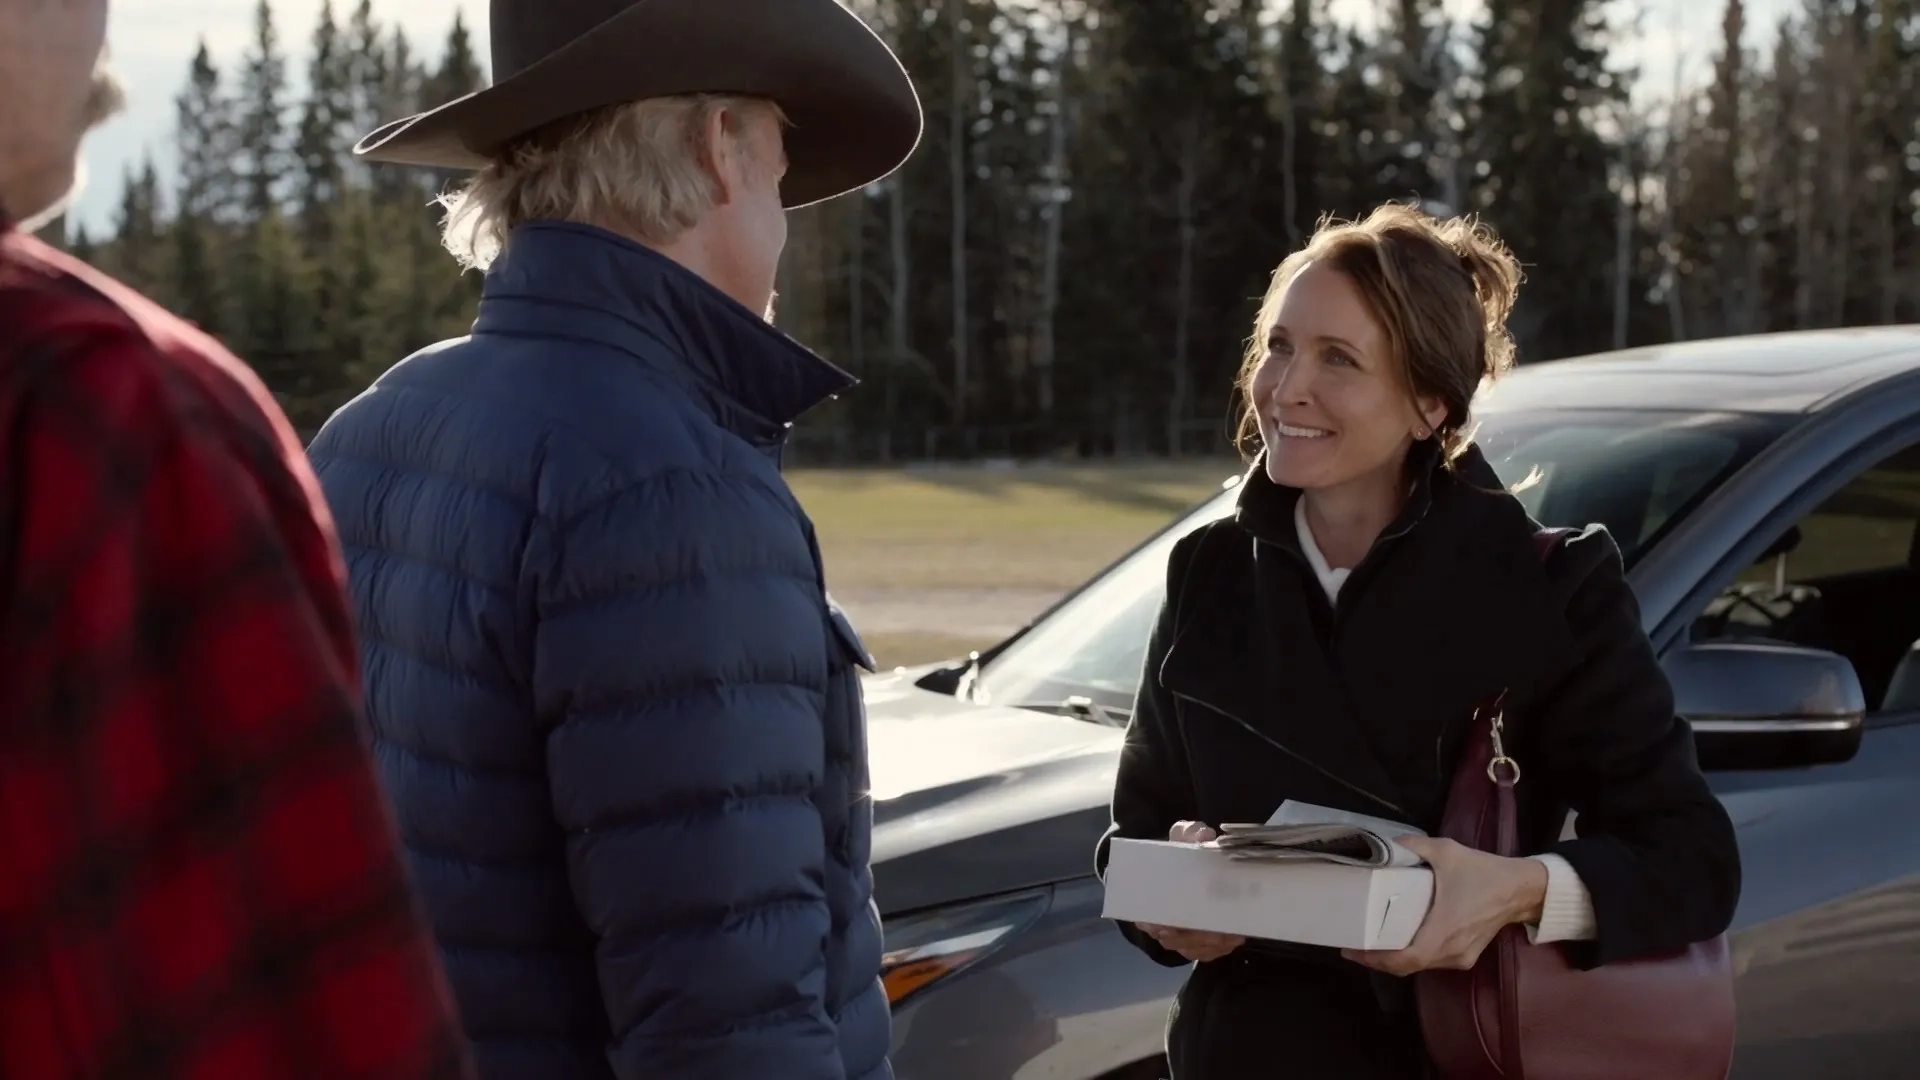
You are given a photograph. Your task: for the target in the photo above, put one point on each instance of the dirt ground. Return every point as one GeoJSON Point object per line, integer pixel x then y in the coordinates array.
{"type": "Point", "coordinates": [932, 562]}
{"type": "Point", "coordinates": [908, 626]}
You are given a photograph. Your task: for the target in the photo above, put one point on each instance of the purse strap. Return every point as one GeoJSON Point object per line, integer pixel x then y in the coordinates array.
{"type": "Point", "coordinates": [1489, 745]}
{"type": "Point", "coordinates": [1486, 751]}
{"type": "Point", "coordinates": [1487, 775]}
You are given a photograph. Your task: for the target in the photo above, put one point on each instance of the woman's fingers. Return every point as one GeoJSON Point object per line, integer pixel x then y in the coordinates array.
{"type": "Point", "coordinates": [1190, 832]}
{"type": "Point", "coordinates": [1475, 896]}
{"type": "Point", "coordinates": [1196, 945]}
{"type": "Point", "coordinates": [1201, 945]}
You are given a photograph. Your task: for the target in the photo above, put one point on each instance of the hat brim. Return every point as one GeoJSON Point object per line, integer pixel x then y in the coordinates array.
{"type": "Point", "coordinates": [854, 115]}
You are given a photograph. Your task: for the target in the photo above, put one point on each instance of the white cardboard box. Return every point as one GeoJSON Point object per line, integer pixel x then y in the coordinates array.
{"type": "Point", "coordinates": [1309, 902]}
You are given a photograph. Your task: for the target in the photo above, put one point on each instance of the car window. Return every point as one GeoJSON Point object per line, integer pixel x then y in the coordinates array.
{"type": "Point", "coordinates": [1866, 525]}
{"type": "Point", "coordinates": [1634, 478]}
{"type": "Point", "coordinates": [1635, 472]}
{"type": "Point", "coordinates": [1842, 578]}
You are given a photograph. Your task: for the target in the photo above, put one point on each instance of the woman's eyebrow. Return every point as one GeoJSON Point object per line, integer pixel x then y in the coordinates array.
{"type": "Point", "coordinates": [1279, 332]}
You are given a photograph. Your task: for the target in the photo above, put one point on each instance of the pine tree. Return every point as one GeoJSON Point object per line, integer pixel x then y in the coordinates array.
{"type": "Point", "coordinates": [1303, 78]}
{"type": "Point", "coordinates": [204, 139]}
{"type": "Point", "coordinates": [1413, 72]}
{"type": "Point", "coordinates": [321, 143]}
{"type": "Point", "coordinates": [397, 94]}
{"type": "Point", "coordinates": [1715, 211]}
{"type": "Point", "coordinates": [457, 76]}
{"type": "Point", "coordinates": [357, 334]}
{"type": "Point", "coordinates": [205, 144]}
{"type": "Point", "coordinates": [1782, 193]}
{"type": "Point", "coordinates": [81, 246]}
{"type": "Point", "coordinates": [278, 329]}
{"type": "Point", "coordinates": [263, 150]}
{"type": "Point", "coordinates": [1359, 166]}
{"type": "Point", "coordinates": [1544, 169]}
{"type": "Point", "coordinates": [365, 67]}
{"type": "Point", "coordinates": [1891, 119]}
{"type": "Point", "coordinates": [459, 72]}
{"type": "Point", "coordinates": [136, 255]}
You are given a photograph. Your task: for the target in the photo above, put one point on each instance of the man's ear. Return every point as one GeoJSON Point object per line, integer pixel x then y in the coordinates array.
{"type": "Point", "coordinates": [720, 154]}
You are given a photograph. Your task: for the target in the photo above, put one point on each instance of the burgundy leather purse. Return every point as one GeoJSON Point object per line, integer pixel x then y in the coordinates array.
{"type": "Point", "coordinates": [1524, 1012]}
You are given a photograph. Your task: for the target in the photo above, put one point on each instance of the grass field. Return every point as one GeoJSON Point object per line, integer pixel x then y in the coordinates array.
{"type": "Point", "coordinates": [933, 561]}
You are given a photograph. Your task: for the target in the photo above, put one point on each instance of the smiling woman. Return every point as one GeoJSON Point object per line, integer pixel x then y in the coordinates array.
{"type": "Point", "coordinates": [1363, 348]}
{"type": "Point", "coordinates": [1329, 643]}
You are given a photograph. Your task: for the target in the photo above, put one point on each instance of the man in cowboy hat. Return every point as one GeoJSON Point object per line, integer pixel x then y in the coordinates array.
{"type": "Point", "coordinates": [619, 717]}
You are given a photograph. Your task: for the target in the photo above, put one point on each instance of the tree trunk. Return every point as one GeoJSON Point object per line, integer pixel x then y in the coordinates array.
{"type": "Point", "coordinates": [899, 346]}
{"type": "Point", "coordinates": [1889, 232]}
{"type": "Point", "coordinates": [1289, 183]}
{"type": "Point", "coordinates": [1676, 307]}
{"type": "Point", "coordinates": [1182, 389]}
{"type": "Point", "coordinates": [957, 176]}
{"type": "Point", "coordinates": [1843, 196]}
{"type": "Point", "coordinates": [1803, 240]}
{"type": "Point", "coordinates": [1057, 191]}
{"type": "Point", "coordinates": [1451, 145]}
{"type": "Point", "coordinates": [1623, 235]}
{"type": "Point", "coordinates": [857, 283]}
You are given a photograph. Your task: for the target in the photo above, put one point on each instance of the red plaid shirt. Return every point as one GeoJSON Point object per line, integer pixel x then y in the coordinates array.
{"type": "Point", "coordinates": [199, 878]}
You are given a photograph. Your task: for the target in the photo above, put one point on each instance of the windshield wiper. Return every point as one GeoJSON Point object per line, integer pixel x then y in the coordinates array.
{"type": "Point", "coordinates": [1081, 706]}
{"type": "Point", "coordinates": [966, 685]}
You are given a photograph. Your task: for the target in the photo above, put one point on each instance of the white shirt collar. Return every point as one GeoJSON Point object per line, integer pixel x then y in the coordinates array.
{"type": "Point", "coordinates": [1330, 579]}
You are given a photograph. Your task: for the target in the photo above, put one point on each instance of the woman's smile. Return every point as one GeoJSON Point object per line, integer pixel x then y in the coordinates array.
{"type": "Point", "coordinates": [1296, 431]}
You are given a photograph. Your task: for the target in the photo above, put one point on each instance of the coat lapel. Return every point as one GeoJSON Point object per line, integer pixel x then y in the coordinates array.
{"type": "Point", "coordinates": [1460, 614]}
{"type": "Point", "coordinates": [1235, 662]}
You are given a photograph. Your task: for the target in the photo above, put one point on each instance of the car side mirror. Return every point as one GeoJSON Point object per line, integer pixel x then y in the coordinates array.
{"type": "Point", "coordinates": [1760, 705]}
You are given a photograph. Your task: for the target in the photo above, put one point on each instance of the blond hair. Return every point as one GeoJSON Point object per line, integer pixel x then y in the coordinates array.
{"type": "Point", "coordinates": [637, 168]}
{"type": "Point", "coordinates": [1442, 291]}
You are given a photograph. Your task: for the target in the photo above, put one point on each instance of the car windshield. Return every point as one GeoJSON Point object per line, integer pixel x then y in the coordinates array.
{"type": "Point", "coordinates": [1636, 472]}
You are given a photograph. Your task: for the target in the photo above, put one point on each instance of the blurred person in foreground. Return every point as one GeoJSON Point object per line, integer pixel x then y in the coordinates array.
{"type": "Point", "coordinates": [198, 876]}
{"type": "Point", "coordinates": [618, 714]}
{"type": "Point", "coordinates": [1327, 643]}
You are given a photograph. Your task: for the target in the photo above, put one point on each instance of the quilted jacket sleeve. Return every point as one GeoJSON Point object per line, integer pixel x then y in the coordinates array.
{"type": "Point", "coordinates": [674, 669]}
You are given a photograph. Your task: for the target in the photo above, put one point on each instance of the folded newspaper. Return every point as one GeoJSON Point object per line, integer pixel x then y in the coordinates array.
{"type": "Point", "coordinates": [1303, 831]}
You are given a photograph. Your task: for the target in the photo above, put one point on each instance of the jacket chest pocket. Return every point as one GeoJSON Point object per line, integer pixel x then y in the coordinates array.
{"type": "Point", "coordinates": [845, 640]}
{"type": "Point", "coordinates": [847, 737]}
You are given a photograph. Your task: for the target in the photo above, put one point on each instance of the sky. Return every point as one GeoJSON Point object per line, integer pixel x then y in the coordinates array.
{"type": "Point", "coordinates": [153, 41]}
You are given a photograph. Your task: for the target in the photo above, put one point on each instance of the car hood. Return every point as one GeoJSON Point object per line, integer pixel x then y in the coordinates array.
{"type": "Point", "coordinates": [971, 800]}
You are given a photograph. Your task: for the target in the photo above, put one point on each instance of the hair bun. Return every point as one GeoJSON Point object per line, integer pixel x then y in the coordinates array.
{"type": "Point", "coordinates": [1496, 276]}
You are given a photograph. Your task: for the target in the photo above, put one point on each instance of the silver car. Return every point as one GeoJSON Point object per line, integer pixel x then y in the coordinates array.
{"type": "Point", "coordinates": [1765, 492]}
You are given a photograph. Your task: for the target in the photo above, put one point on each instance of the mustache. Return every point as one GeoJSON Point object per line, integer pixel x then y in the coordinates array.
{"type": "Point", "coordinates": [106, 97]}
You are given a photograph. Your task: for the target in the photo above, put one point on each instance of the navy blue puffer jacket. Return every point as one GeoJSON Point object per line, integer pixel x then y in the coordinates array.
{"type": "Point", "coordinates": [616, 712]}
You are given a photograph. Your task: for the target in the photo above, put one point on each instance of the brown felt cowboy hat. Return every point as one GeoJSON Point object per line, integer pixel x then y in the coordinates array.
{"type": "Point", "coordinates": [855, 117]}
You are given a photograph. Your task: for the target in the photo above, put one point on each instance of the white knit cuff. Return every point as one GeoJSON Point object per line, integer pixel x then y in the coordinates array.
{"type": "Point", "coordinates": [1567, 914]}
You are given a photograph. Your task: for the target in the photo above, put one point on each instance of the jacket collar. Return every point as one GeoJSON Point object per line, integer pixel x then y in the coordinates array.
{"type": "Point", "coordinates": [1464, 611]}
{"type": "Point", "coordinates": [578, 282]}
{"type": "Point", "coordinates": [1265, 509]}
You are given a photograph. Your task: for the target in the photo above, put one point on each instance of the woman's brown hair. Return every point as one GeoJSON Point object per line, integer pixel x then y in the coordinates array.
{"type": "Point", "coordinates": [1441, 290]}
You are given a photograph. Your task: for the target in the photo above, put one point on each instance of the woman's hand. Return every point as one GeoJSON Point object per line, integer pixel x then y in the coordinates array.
{"type": "Point", "coordinates": [1475, 896]}
{"type": "Point", "coordinates": [1199, 946]}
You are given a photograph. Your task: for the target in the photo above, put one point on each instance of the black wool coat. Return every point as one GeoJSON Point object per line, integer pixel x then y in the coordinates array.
{"type": "Point", "coordinates": [1258, 690]}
